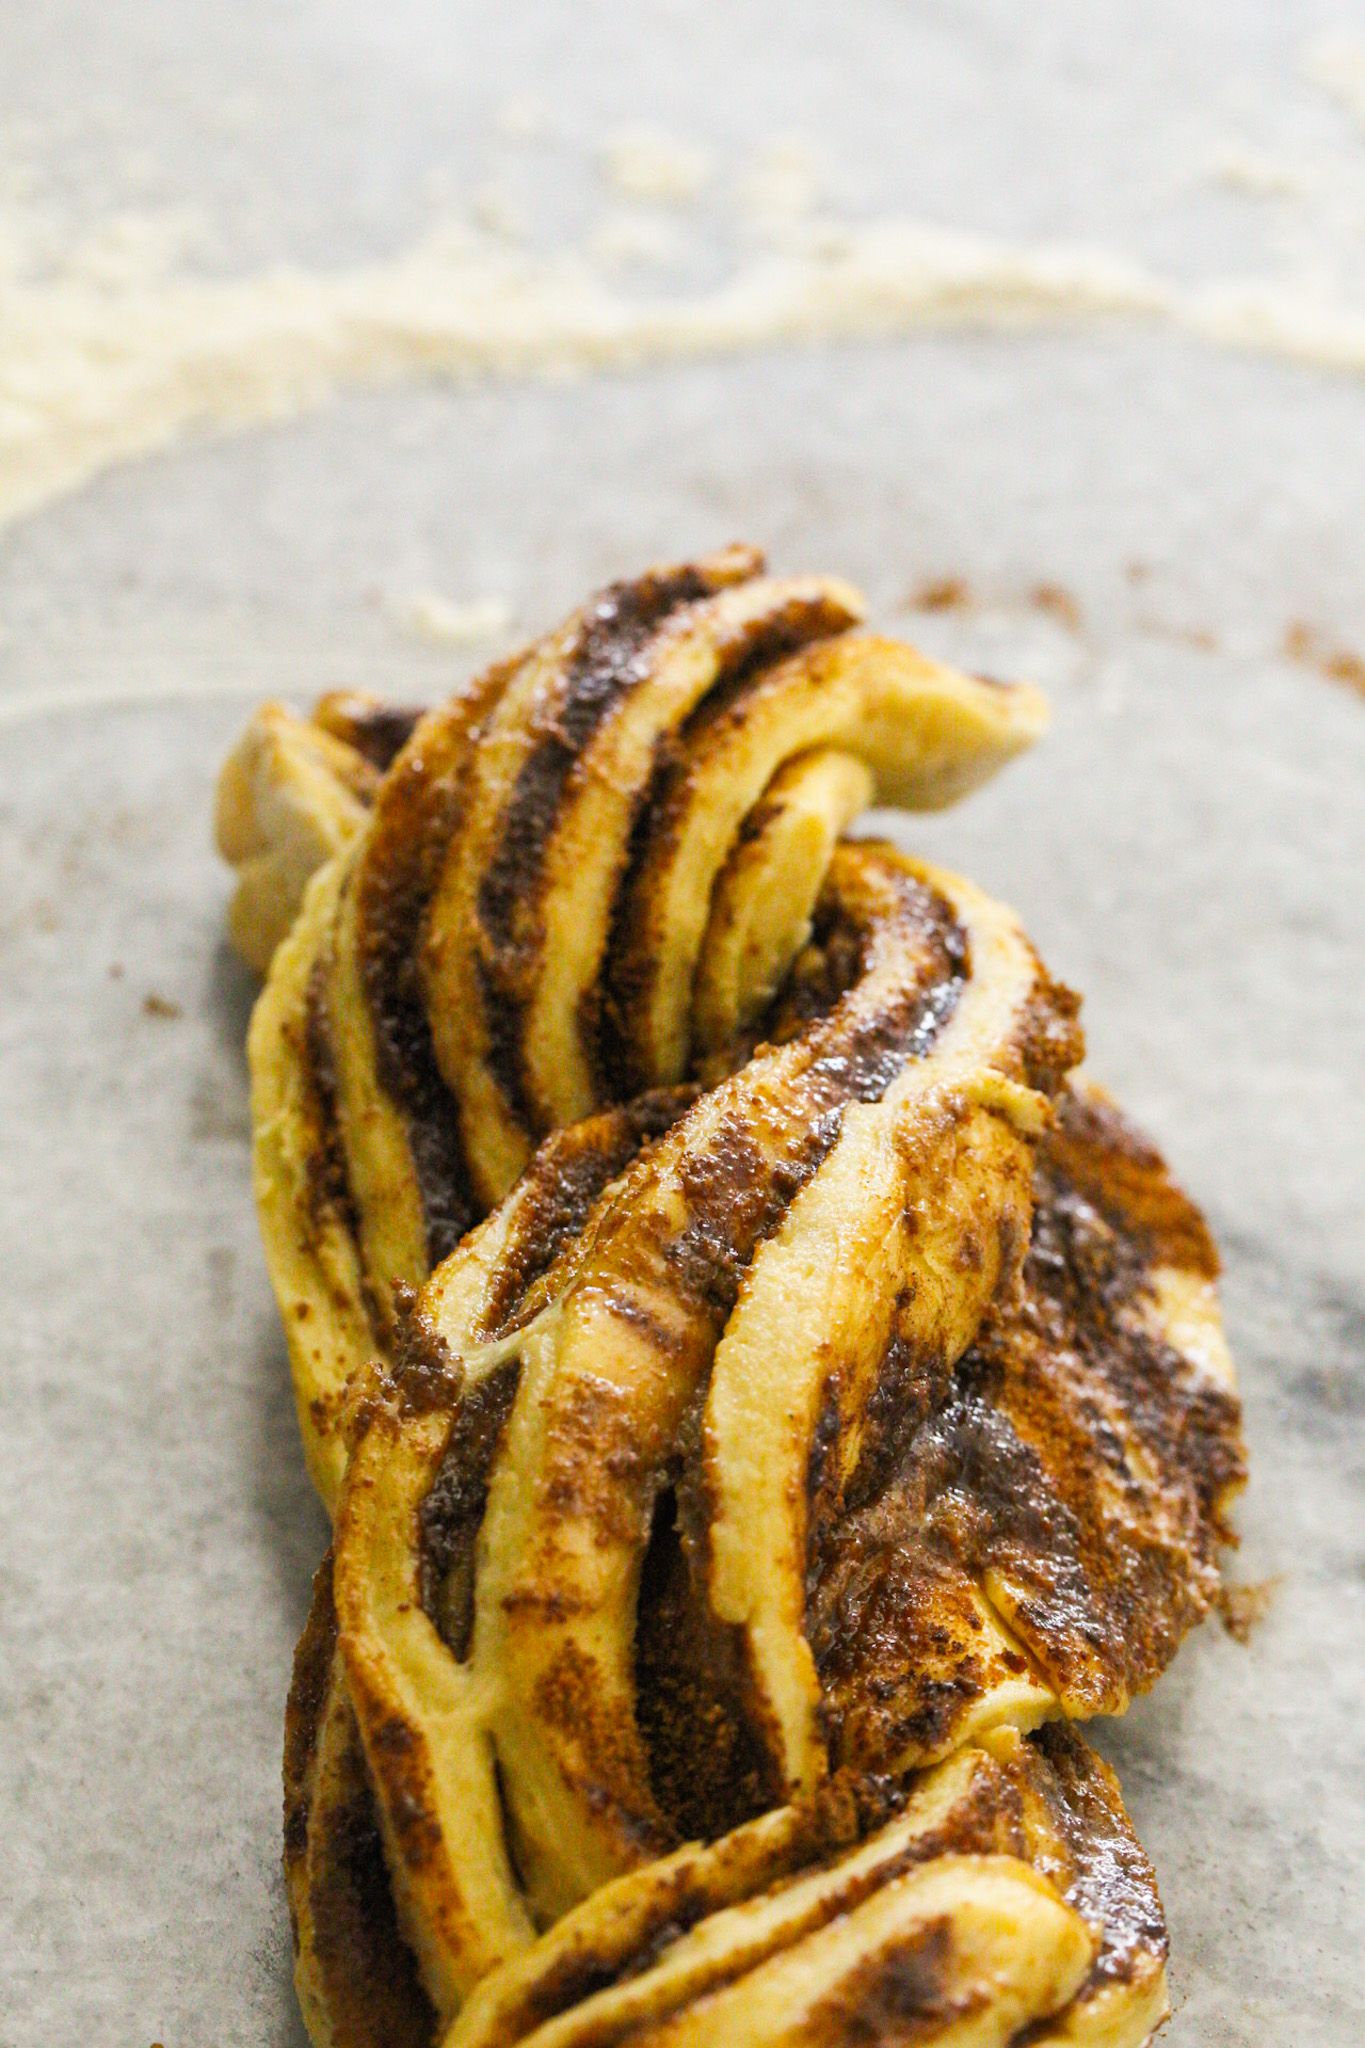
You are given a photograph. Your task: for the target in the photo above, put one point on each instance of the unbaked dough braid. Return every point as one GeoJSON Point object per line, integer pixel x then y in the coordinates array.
{"type": "Point", "coordinates": [466, 974]}
{"type": "Point", "coordinates": [759, 1395]}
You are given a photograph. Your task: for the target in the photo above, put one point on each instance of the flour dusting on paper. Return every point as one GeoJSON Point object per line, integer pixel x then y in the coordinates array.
{"type": "Point", "coordinates": [121, 348]}
{"type": "Point", "coordinates": [96, 371]}
{"type": "Point", "coordinates": [1336, 63]}
{"type": "Point", "coordinates": [644, 163]}
{"type": "Point", "coordinates": [437, 619]}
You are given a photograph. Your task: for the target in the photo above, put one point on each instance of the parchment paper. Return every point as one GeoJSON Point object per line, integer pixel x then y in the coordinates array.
{"type": "Point", "coordinates": [1187, 847]}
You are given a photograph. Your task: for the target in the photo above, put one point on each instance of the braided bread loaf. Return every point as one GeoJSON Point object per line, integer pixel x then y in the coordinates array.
{"type": "Point", "coordinates": [745, 1372]}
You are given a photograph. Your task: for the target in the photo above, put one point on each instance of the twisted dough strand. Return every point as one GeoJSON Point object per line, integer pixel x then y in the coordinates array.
{"type": "Point", "coordinates": [472, 985]}
{"type": "Point", "coordinates": [649, 1520]}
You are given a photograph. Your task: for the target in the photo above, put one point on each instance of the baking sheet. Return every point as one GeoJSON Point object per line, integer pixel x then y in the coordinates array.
{"type": "Point", "coordinates": [1186, 847]}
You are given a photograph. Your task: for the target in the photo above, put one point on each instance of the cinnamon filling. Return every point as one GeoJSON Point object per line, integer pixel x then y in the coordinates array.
{"type": "Point", "coordinates": [1074, 1455]}
{"type": "Point", "coordinates": [706, 1770]}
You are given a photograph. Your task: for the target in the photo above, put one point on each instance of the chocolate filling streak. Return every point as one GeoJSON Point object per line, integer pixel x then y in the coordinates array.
{"type": "Point", "coordinates": [1111, 1880]}
{"type": "Point", "coordinates": [735, 1191]}
{"type": "Point", "coordinates": [1047, 1802]}
{"type": "Point", "coordinates": [603, 667]}
{"type": "Point", "coordinates": [377, 730]}
{"type": "Point", "coordinates": [665, 1945]}
{"type": "Point", "coordinates": [570, 1172]}
{"type": "Point", "coordinates": [706, 1771]}
{"type": "Point", "coordinates": [564, 1181]}
{"type": "Point", "coordinates": [1075, 1460]}
{"type": "Point", "coordinates": [903, 1991]}
{"type": "Point", "coordinates": [615, 654]}
{"type": "Point", "coordinates": [923, 735]}
{"type": "Point", "coordinates": [611, 656]}
{"type": "Point", "coordinates": [329, 1183]}
{"type": "Point", "coordinates": [1071, 1452]}
{"type": "Point", "coordinates": [1114, 1167]}
{"type": "Point", "coordinates": [349, 1953]}
{"type": "Point", "coordinates": [452, 1512]}
{"type": "Point", "coordinates": [417, 812]}
{"type": "Point", "coordinates": [307, 1696]}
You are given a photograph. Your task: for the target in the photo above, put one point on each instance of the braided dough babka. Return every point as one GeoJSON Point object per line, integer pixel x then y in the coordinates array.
{"type": "Point", "coordinates": [762, 1399]}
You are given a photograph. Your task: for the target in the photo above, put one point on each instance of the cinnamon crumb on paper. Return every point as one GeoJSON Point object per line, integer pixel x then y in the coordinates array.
{"type": "Point", "coordinates": [1243, 1608]}
{"type": "Point", "coordinates": [1339, 664]}
{"type": "Point", "coordinates": [942, 594]}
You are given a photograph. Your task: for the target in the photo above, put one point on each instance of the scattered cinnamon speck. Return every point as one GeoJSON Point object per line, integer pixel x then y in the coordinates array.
{"type": "Point", "coordinates": [1339, 664]}
{"type": "Point", "coordinates": [1243, 1608]}
{"type": "Point", "coordinates": [154, 1005]}
{"type": "Point", "coordinates": [1059, 604]}
{"type": "Point", "coordinates": [1138, 572]}
{"type": "Point", "coordinates": [115, 970]}
{"type": "Point", "coordinates": [943, 594]}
